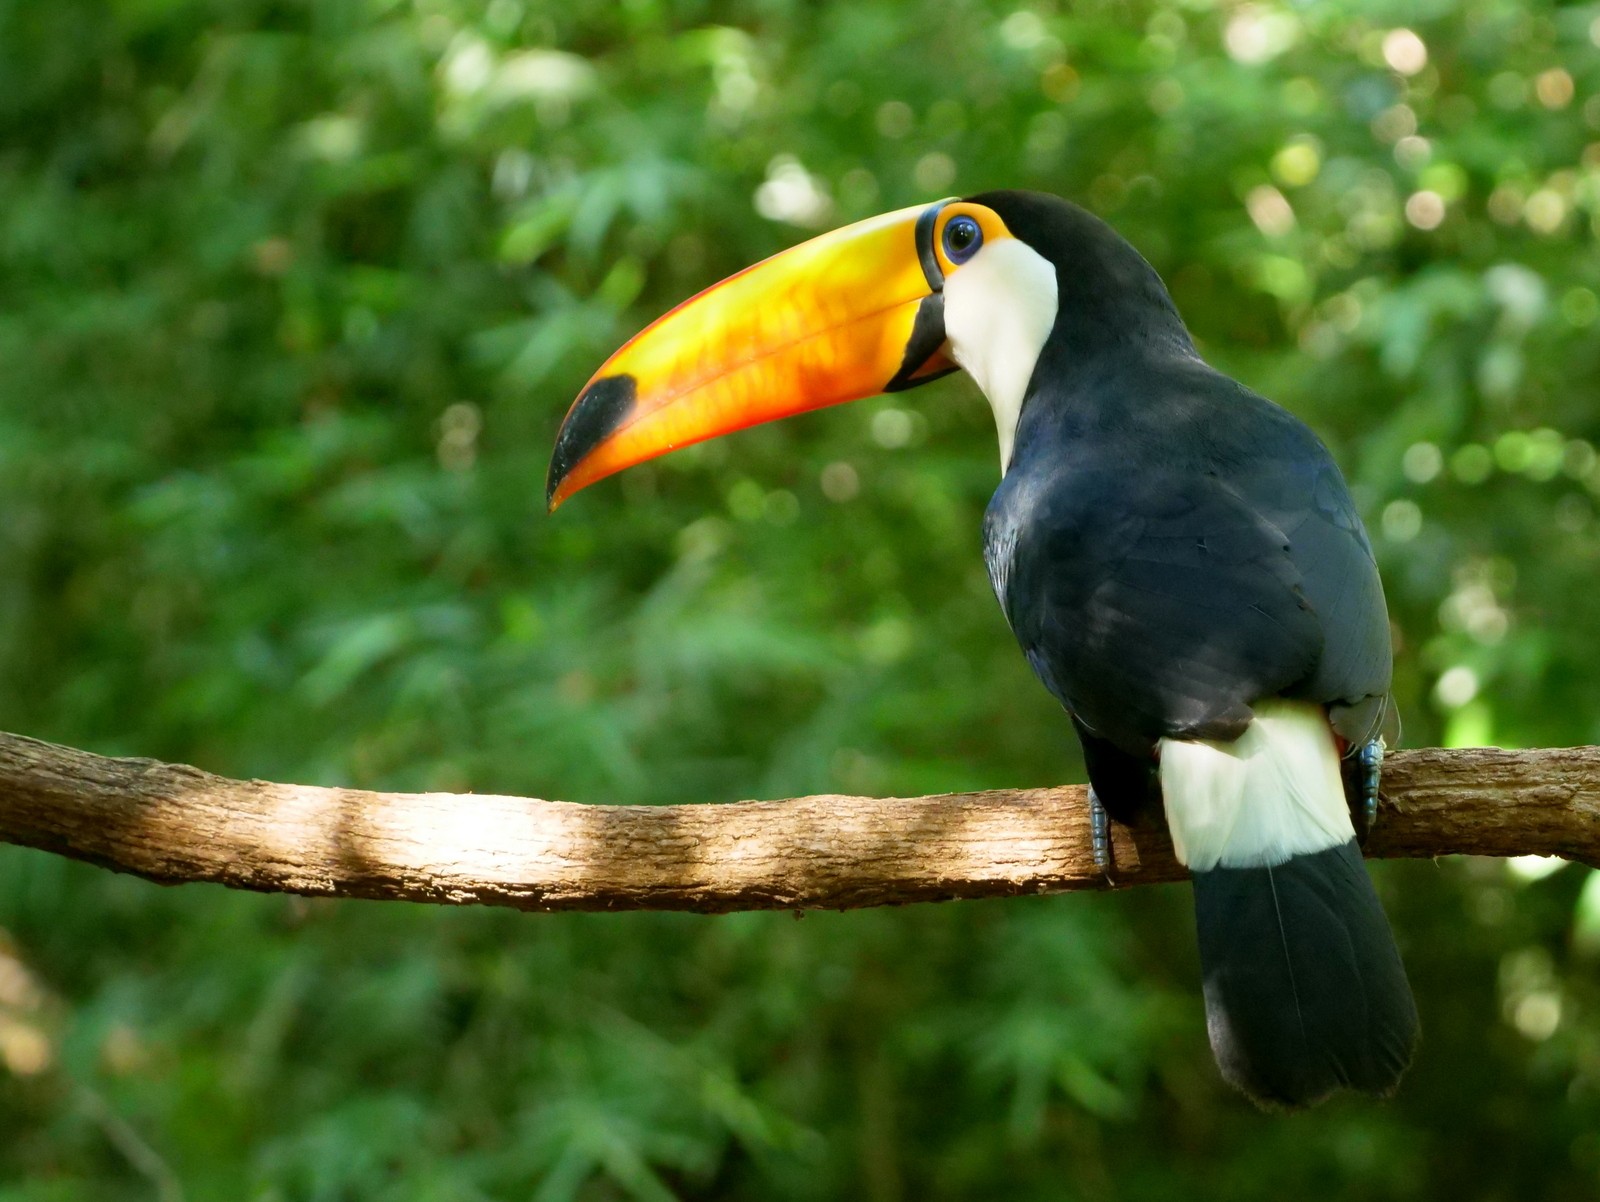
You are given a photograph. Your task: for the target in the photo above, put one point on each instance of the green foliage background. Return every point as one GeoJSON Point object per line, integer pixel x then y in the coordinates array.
{"type": "Point", "coordinates": [292, 298]}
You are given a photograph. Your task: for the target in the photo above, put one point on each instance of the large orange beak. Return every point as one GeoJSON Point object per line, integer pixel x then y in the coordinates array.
{"type": "Point", "coordinates": [844, 316]}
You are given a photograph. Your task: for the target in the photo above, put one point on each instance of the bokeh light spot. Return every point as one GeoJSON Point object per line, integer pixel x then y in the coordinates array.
{"type": "Point", "coordinates": [1298, 163]}
{"type": "Point", "coordinates": [1425, 210]}
{"type": "Point", "coordinates": [1271, 212]}
{"type": "Point", "coordinates": [840, 482]}
{"type": "Point", "coordinates": [1456, 687]}
{"type": "Point", "coordinates": [1554, 88]}
{"type": "Point", "coordinates": [895, 119]}
{"type": "Point", "coordinates": [1404, 51]}
{"type": "Point", "coordinates": [1422, 462]}
{"type": "Point", "coordinates": [1402, 521]}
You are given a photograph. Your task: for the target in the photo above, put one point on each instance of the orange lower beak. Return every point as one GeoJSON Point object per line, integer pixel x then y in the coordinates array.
{"type": "Point", "coordinates": [844, 316]}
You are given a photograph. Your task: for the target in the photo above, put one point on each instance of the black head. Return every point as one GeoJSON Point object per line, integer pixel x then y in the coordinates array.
{"type": "Point", "coordinates": [1107, 294]}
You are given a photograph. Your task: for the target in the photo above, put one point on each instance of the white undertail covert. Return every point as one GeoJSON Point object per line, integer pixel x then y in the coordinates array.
{"type": "Point", "coordinates": [1272, 794]}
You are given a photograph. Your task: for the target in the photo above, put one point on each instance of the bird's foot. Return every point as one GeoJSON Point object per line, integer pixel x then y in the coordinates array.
{"type": "Point", "coordinates": [1369, 761]}
{"type": "Point", "coordinates": [1100, 834]}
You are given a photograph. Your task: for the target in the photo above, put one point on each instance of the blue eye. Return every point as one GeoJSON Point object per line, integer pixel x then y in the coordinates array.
{"type": "Point", "coordinates": [962, 237]}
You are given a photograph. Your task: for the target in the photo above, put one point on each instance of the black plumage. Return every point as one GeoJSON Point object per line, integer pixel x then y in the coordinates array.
{"type": "Point", "coordinates": [1305, 993]}
{"type": "Point", "coordinates": [1172, 549]}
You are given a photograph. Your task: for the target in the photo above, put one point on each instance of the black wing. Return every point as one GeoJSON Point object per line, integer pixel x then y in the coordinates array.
{"type": "Point", "coordinates": [1163, 598]}
{"type": "Point", "coordinates": [1166, 611]}
{"type": "Point", "coordinates": [1340, 580]}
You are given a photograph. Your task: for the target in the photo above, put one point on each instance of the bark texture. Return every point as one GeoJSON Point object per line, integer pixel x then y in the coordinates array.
{"type": "Point", "coordinates": [173, 824]}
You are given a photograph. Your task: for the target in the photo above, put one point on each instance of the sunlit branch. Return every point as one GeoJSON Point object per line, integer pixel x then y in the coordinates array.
{"type": "Point", "coordinates": [174, 824]}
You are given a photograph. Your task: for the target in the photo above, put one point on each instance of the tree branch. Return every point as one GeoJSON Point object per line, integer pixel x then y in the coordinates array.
{"type": "Point", "coordinates": [172, 824]}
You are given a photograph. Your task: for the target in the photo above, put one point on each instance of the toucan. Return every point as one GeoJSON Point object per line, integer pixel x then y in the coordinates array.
{"type": "Point", "coordinates": [1179, 558]}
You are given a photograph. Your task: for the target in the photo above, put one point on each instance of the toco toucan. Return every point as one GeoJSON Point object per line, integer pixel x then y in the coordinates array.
{"type": "Point", "coordinates": [1179, 558]}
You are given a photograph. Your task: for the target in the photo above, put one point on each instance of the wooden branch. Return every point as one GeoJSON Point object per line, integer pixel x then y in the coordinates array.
{"type": "Point", "coordinates": [172, 824]}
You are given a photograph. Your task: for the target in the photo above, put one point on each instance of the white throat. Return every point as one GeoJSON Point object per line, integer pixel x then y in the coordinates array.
{"type": "Point", "coordinates": [998, 311]}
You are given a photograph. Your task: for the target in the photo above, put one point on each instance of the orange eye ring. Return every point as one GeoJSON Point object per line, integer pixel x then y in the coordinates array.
{"type": "Point", "coordinates": [962, 231]}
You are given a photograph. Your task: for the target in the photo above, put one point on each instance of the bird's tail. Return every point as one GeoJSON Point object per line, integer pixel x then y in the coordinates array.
{"type": "Point", "coordinates": [1305, 993]}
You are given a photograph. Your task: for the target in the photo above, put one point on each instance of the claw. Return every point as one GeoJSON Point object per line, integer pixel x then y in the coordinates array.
{"type": "Point", "coordinates": [1100, 834]}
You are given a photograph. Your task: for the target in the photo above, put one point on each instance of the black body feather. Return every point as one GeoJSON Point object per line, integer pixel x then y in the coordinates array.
{"type": "Point", "coordinates": [1170, 549]}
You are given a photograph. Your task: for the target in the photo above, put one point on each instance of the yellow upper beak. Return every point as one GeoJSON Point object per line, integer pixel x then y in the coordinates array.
{"type": "Point", "coordinates": [847, 315]}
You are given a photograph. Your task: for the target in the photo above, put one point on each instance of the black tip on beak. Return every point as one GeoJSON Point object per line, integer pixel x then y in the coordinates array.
{"type": "Point", "coordinates": [594, 416]}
